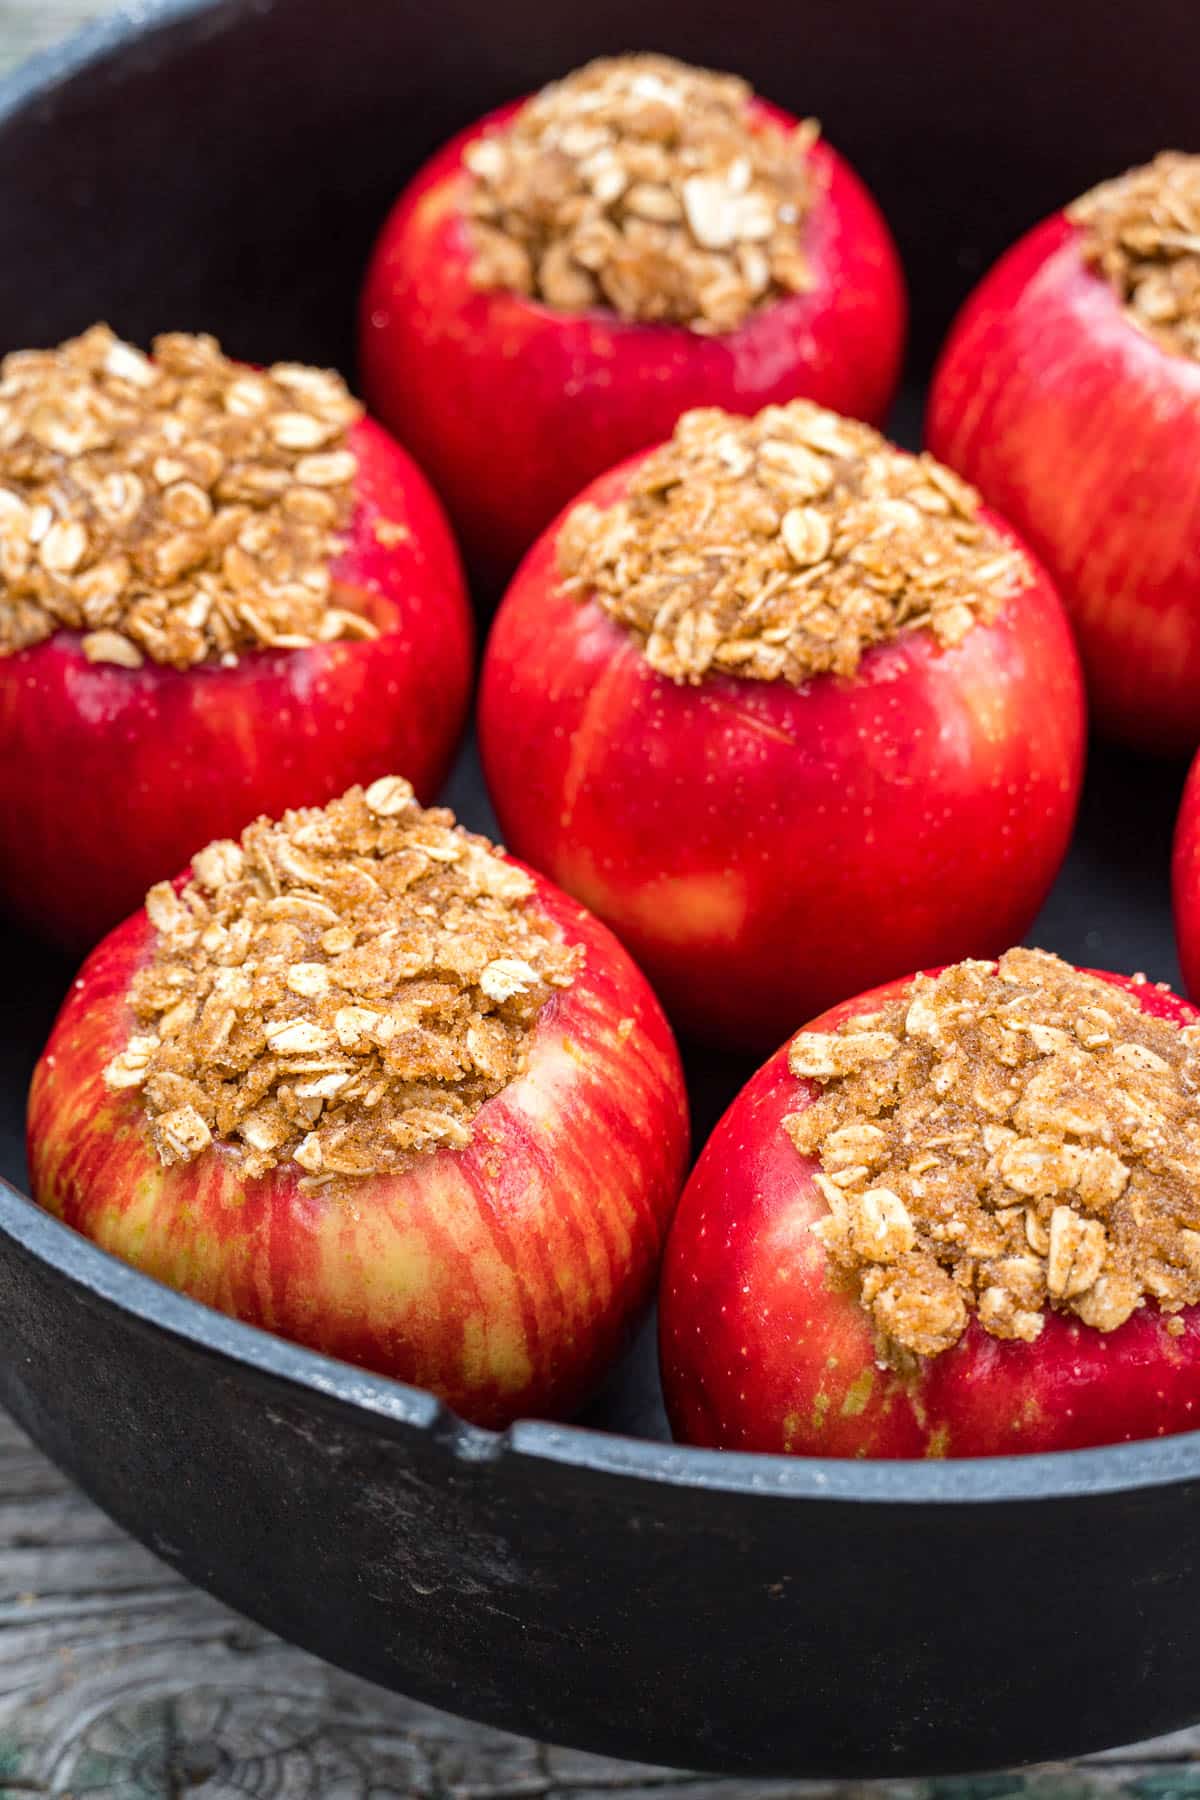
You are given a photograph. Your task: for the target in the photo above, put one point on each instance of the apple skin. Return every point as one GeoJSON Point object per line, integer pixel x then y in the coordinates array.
{"type": "Point", "coordinates": [1185, 881]}
{"type": "Point", "coordinates": [110, 777]}
{"type": "Point", "coordinates": [764, 850]}
{"type": "Point", "coordinates": [510, 406]}
{"type": "Point", "coordinates": [1085, 434]}
{"type": "Point", "coordinates": [505, 1277]}
{"type": "Point", "coordinates": [760, 1351]}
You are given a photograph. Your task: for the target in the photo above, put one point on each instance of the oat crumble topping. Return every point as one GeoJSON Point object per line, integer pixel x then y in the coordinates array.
{"type": "Point", "coordinates": [344, 988]}
{"type": "Point", "coordinates": [1005, 1138]}
{"type": "Point", "coordinates": [784, 546]}
{"type": "Point", "coordinates": [1142, 232]}
{"type": "Point", "coordinates": [644, 185]}
{"type": "Point", "coordinates": [181, 509]}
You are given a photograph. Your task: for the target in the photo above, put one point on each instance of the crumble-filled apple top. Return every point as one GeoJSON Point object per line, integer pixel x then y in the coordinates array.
{"type": "Point", "coordinates": [343, 988]}
{"type": "Point", "coordinates": [181, 509]}
{"type": "Point", "coordinates": [1141, 231]}
{"type": "Point", "coordinates": [1004, 1138]}
{"type": "Point", "coordinates": [784, 546]}
{"type": "Point", "coordinates": [645, 186]}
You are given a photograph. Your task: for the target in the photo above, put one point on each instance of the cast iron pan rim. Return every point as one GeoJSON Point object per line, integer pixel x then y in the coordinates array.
{"type": "Point", "coordinates": [394, 1407]}
{"type": "Point", "coordinates": [93, 44]}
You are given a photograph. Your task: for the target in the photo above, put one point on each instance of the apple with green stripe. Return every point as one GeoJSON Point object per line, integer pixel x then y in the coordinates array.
{"type": "Point", "coordinates": [505, 1276]}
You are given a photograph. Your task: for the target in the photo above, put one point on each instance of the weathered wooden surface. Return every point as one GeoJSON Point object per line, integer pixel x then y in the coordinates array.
{"type": "Point", "coordinates": [117, 1679]}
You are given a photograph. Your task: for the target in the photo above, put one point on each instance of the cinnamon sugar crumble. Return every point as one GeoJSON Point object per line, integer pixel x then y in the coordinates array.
{"type": "Point", "coordinates": [784, 546]}
{"type": "Point", "coordinates": [182, 509]}
{"type": "Point", "coordinates": [344, 988]}
{"type": "Point", "coordinates": [1142, 233]}
{"type": "Point", "coordinates": [644, 185]}
{"type": "Point", "coordinates": [1005, 1138]}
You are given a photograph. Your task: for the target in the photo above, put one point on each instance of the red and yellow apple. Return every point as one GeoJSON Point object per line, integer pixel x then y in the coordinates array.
{"type": "Point", "coordinates": [511, 406]}
{"type": "Point", "coordinates": [764, 849]}
{"type": "Point", "coordinates": [1085, 433]}
{"type": "Point", "coordinates": [761, 1350]}
{"type": "Point", "coordinates": [505, 1276]}
{"type": "Point", "coordinates": [109, 776]}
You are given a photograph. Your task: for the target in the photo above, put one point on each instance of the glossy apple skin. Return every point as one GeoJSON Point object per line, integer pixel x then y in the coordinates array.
{"type": "Point", "coordinates": [511, 407]}
{"type": "Point", "coordinates": [763, 850]}
{"type": "Point", "coordinates": [1185, 881]}
{"type": "Point", "coordinates": [110, 777]}
{"type": "Point", "coordinates": [760, 1352]}
{"type": "Point", "coordinates": [505, 1277]}
{"type": "Point", "coordinates": [1086, 435]}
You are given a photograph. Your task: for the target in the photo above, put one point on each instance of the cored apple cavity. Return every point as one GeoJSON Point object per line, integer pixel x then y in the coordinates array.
{"type": "Point", "coordinates": [1141, 231]}
{"type": "Point", "coordinates": [178, 509]}
{"type": "Point", "coordinates": [645, 186]}
{"type": "Point", "coordinates": [343, 989]}
{"type": "Point", "coordinates": [999, 1140]}
{"type": "Point", "coordinates": [785, 546]}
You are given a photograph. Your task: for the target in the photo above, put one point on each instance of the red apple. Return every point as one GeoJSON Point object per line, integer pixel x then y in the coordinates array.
{"type": "Point", "coordinates": [505, 1276]}
{"type": "Point", "coordinates": [110, 776]}
{"type": "Point", "coordinates": [1185, 881]}
{"type": "Point", "coordinates": [511, 406]}
{"type": "Point", "coordinates": [760, 1351]}
{"type": "Point", "coordinates": [1085, 434]}
{"type": "Point", "coordinates": [763, 849]}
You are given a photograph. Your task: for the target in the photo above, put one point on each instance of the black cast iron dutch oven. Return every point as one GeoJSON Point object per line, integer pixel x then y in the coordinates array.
{"type": "Point", "coordinates": [222, 167]}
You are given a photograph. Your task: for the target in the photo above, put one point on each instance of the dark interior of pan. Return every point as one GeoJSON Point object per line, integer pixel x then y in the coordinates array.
{"type": "Point", "coordinates": [223, 167]}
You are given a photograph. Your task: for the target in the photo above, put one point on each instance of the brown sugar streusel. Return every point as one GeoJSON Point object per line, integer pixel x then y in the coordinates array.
{"type": "Point", "coordinates": [784, 546]}
{"type": "Point", "coordinates": [181, 508]}
{"type": "Point", "coordinates": [344, 988]}
{"type": "Point", "coordinates": [1141, 231]}
{"type": "Point", "coordinates": [1002, 1139]}
{"type": "Point", "coordinates": [645, 186]}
